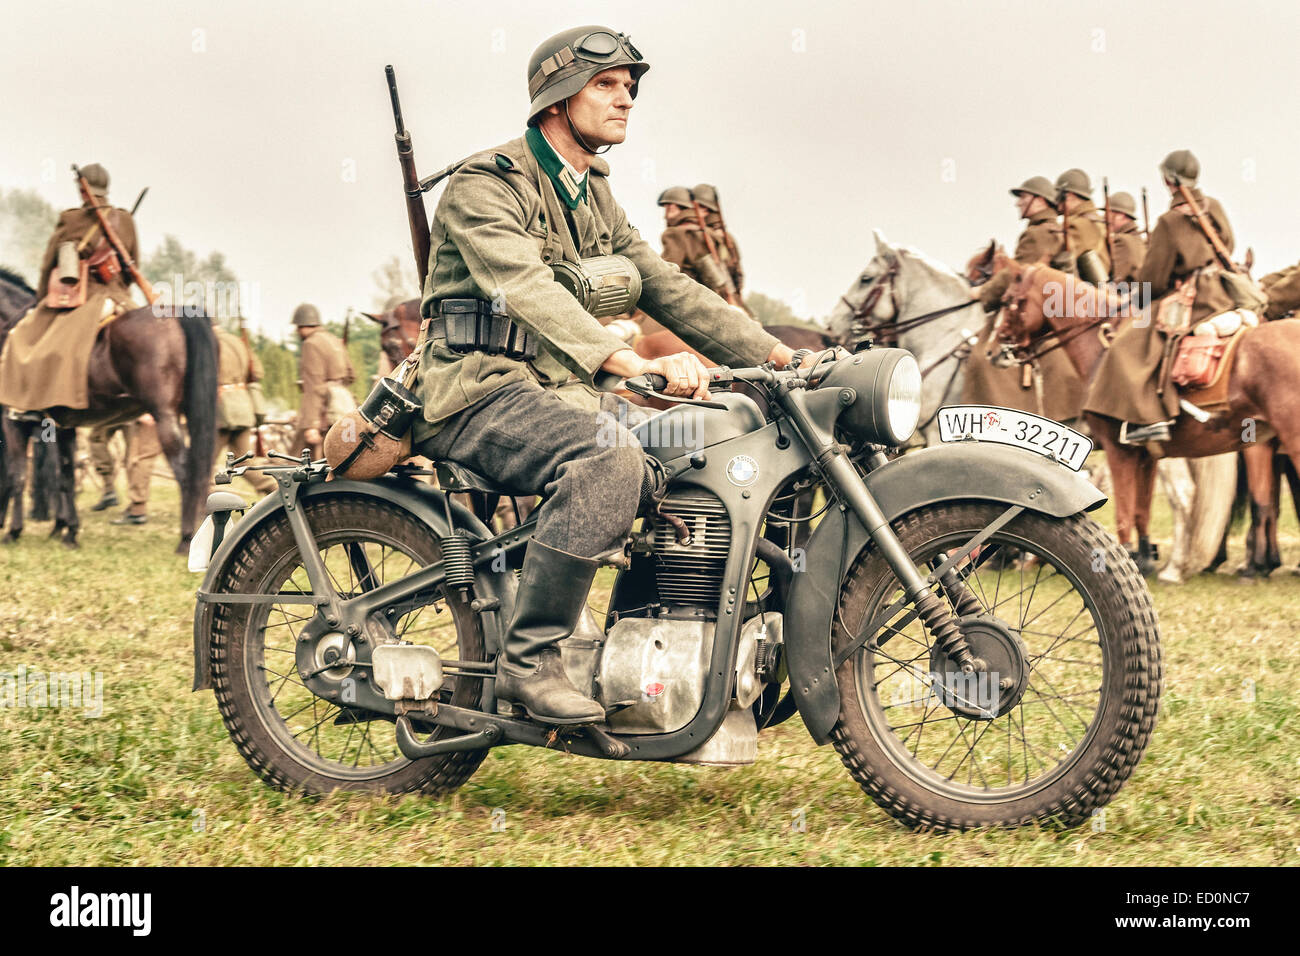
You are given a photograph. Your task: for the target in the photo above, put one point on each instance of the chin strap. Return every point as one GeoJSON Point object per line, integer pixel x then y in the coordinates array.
{"type": "Point", "coordinates": [578, 136]}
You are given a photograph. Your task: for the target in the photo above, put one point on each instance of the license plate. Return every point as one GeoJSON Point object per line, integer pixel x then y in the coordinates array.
{"type": "Point", "coordinates": [1006, 426]}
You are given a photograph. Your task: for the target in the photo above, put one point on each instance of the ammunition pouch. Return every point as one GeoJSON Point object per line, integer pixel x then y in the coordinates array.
{"type": "Point", "coordinates": [471, 325]}
{"type": "Point", "coordinates": [603, 285]}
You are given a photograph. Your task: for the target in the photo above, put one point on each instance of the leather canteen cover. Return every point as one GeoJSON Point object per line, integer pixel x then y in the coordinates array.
{"type": "Point", "coordinates": [234, 408]}
{"type": "Point", "coordinates": [356, 449]}
{"type": "Point", "coordinates": [1197, 360]}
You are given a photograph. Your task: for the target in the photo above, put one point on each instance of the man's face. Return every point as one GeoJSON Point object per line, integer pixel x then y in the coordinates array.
{"type": "Point", "coordinates": [673, 213]}
{"type": "Point", "coordinates": [599, 110]}
{"type": "Point", "coordinates": [1028, 204]}
{"type": "Point", "coordinates": [305, 330]}
{"type": "Point", "coordinates": [1119, 220]}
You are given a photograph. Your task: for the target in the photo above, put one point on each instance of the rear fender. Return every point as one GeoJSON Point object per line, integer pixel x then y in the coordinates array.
{"type": "Point", "coordinates": [969, 471]}
{"type": "Point", "coordinates": [423, 502]}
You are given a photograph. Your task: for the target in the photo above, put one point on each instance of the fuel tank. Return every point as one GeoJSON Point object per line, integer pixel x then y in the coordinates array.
{"type": "Point", "coordinates": [685, 429]}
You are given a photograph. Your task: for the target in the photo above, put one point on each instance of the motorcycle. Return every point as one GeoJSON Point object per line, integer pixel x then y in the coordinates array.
{"type": "Point", "coordinates": [977, 649]}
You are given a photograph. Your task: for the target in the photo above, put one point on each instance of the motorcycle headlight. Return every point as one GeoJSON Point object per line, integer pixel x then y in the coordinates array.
{"type": "Point", "coordinates": [887, 386]}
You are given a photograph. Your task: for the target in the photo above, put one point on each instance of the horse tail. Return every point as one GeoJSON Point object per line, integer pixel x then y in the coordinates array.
{"type": "Point", "coordinates": [200, 406]}
{"type": "Point", "coordinates": [1213, 507]}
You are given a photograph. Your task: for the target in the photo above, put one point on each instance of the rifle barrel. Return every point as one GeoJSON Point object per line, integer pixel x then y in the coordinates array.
{"type": "Point", "coordinates": [392, 93]}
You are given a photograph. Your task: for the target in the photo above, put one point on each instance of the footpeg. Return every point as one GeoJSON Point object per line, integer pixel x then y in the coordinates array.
{"type": "Point", "coordinates": [414, 749]}
{"type": "Point", "coordinates": [614, 749]}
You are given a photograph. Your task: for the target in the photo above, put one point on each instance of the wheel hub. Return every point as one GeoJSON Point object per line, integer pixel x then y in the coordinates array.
{"type": "Point", "coordinates": [999, 679]}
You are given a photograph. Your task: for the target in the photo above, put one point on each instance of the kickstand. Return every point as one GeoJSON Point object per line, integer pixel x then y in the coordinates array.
{"type": "Point", "coordinates": [612, 748]}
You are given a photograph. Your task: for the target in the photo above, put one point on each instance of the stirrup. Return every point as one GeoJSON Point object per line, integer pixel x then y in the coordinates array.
{"type": "Point", "coordinates": [1142, 434]}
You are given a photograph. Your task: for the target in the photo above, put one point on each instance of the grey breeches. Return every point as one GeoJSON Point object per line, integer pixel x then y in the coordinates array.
{"type": "Point", "coordinates": [587, 464]}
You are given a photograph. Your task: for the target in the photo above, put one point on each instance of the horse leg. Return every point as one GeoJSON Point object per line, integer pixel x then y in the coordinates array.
{"type": "Point", "coordinates": [1123, 475]}
{"type": "Point", "coordinates": [1176, 479]}
{"type": "Point", "coordinates": [16, 435]}
{"type": "Point", "coordinates": [168, 429]}
{"type": "Point", "coordinates": [1144, 491]}
{"type": "Point", "coordinates": [66, 499]}
{"type": "Point", "coordinates": [1263, 525]}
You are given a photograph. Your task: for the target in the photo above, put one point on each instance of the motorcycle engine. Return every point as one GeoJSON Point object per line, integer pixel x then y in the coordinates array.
{"type": "Point", "coordinates": [691, 574]}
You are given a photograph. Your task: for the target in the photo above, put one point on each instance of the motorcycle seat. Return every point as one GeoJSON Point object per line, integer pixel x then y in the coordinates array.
{"type": "Point", "coordinates": [457, 478]}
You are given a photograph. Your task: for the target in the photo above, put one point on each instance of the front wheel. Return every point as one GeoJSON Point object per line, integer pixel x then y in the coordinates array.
{"type": "Point", "coordinates": [1051, 727]}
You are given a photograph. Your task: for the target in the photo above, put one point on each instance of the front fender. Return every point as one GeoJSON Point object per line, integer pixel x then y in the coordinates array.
{"type": "Point", "coordinates": [955, 472]}
{"type": "Point", "coordinates": [424, 502]}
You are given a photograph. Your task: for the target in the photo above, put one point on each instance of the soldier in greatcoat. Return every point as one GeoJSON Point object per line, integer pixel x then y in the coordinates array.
{"type": "Point", "coordinates": [324, 374]}
{"type": "Point", "coordinates": [1126, 239]}
{"type": "Point", "coordinates": [1131, 384]}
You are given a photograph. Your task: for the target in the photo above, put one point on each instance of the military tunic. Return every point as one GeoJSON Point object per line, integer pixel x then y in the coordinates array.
{"type": "Point", "coordinates": [325, 372]}
{"type": "Point", "coordinates": [684, 246]}
{"type": "Point", "coordinates": [1129, 385]}
{"type": "Point", "coordinates": [1130, 250]}
{"type": "Point", "coordinates": [238, 372]}
{"type": "Point", "coordinates": [499, 226]}
{"type": "Point", "coordinates": [1087, 229]}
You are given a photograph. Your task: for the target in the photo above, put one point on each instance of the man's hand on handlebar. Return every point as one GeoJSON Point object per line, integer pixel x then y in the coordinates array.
{"type": "Point", "coordinates": [686, 374]}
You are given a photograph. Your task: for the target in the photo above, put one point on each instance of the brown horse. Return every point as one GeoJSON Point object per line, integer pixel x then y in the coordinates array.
{"type": "Point", "coordinates": [985, 263]}
{"type": "Point", "coordinates": [140, 363]}
{"type": "Point", "coordinates": [1263, 388]}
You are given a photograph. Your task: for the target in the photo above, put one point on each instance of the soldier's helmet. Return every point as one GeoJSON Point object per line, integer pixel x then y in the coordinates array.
{"type": "Point", "coordinates": [1181, 168]}
{"type": "Point", "coordinates": [1037, 186]}
{"type": "Point", "coordinates": [562, 65]}
{"type": "Point", "coordinates": [1074, 181]}
{"type": "Point", "coordinates": [97, 179]}
{"type": "Point", "coordinates": [676, 196]}
{"type": "Point", "coordinates": [706, 196]}
{"type": "Point", "coordinates": [1125, 203]}
{"type": "Point", "coordinates": [306, 314]}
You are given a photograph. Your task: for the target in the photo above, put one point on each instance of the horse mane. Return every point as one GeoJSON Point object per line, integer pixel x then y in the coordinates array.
{"type": "Point", "coordinates": [13, 278]}
{"type": "Point", "coordinates": [934, 265]}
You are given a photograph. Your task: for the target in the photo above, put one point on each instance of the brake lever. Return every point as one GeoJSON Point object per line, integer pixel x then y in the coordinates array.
{"type": "Point", "coordinates": [640, 385]}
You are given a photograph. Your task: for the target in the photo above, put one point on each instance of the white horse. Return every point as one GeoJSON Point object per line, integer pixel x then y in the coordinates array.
{"type": "Point", "coordinates": [902, 286]}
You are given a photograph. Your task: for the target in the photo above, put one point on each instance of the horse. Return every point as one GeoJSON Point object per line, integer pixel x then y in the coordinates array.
{"type": "Point", "coordinates": [1263, 379]}
{"type": "Point", "coordinates": [905, 298]}
{"type": "Point", "coordinates": [140, 362]}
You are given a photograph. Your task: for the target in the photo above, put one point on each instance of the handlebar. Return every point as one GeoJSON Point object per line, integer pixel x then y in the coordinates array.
{"type": "Point", "coordinates": [652, 384]}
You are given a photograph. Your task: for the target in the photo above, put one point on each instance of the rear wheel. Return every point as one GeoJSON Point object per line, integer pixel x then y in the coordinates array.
{"type": "Point", "coordinates": [1070, 630]}
{"type": "Point", "coordinates": [293, 739]}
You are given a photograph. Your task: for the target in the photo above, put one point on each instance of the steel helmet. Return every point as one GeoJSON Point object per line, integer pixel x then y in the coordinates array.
{"type": "Point", "coordinates": [706, 196]}
{"type": "Point", "coordinates": [1074, 181]}
{"type": "Point", "coordinates": [1181, 168]}
{"type": "Point", "coordinates": [306, 315]}
{"type": "Point", "coordinates": [562, 65]}
{"type": "Point", "coordinates": [1125, 203]}
{"type": "Point", "coordinates": [96, 178]}
{"type": "Point", "coordinates": [676, 196]}
{"type": "Point", "coordinates": [1039, 186]}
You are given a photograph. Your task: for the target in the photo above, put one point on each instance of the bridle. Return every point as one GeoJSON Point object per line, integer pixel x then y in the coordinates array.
{"type": "Point", "coordinates": [861, 326]}
{"type": "Point", "coordinates": [1031, 350]}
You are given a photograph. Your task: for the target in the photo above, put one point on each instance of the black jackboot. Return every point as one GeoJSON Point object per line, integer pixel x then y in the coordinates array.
{"type": "Point", "coordinates": [552, 595]}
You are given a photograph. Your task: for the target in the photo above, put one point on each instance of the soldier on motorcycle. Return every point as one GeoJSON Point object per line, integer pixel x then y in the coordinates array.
{"type": "Point", "coordinates": [526, 414]}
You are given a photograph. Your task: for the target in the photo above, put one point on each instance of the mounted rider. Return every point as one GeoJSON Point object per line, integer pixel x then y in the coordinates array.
{"type": "Point", "coordinates": [1009, 387]}
{"type": "Point", "coordinates": [1126, 239]}
{"type": "Point", "coordinates": [683, 240]}
{"type": "Point", "coordinates": [728, 252]}
{"type": "Point", "coordinates": [1084, 227]}
{"type": "Point", "coordinates": [523, 407]}
{"type": "Point", "coordinates": [1131, 384]}
{"type": "Point", "coordinates": [83, 283]}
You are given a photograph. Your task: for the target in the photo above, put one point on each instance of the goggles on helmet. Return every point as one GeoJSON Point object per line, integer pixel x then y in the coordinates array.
{"type": "Point", "coordinates": [599, 47]}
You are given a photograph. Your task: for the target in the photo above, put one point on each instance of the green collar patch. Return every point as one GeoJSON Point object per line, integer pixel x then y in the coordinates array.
{"type": "Point", "coordinates": [566, 187]}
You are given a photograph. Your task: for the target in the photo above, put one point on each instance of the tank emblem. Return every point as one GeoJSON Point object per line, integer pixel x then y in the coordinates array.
{"type": "Point", "coordinates": [742, 470]}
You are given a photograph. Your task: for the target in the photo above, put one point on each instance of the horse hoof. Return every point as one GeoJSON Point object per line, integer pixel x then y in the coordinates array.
{"type": "Point", "coordinates": [71, 543]}
{"type": "Point", "coordinates": [1169, 576]}
{"type": "Point", "coordinates": [183, 547]}
{"type": "Point", "coordinates": [13, 536]}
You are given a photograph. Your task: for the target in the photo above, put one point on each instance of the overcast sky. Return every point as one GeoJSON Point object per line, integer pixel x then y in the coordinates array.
{"type": "Point", "coordinates": [263, 129]}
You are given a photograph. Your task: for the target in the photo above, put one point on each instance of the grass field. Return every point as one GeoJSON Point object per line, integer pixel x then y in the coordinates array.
{"type": "Point", "coordinates": [156, 780]}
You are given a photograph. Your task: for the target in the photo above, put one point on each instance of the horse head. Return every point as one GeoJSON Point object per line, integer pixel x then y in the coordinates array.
{"type": "Point", "coordinates": [16, 298]}
{"type": "Point", "coordinates": [869, 300]}
{"type": "Point", "coordinates": [984, 263]}
{"type": "Point", "coordinates": [399, 328]}
{"type": "Point", "coordinates": [1042, 301]}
